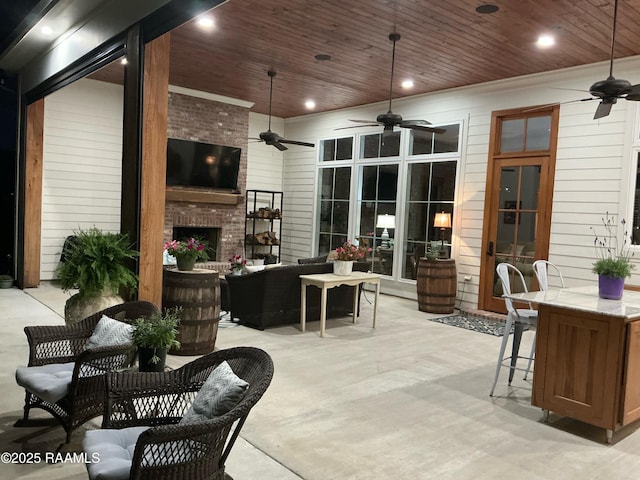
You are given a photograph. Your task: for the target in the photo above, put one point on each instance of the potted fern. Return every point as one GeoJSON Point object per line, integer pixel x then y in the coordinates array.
{"type": "Point", "coordinates": [154, 337]}
{"type": "Point", "coordinates": [97, 264]}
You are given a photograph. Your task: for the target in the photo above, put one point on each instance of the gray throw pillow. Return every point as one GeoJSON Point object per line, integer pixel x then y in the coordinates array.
{"type": "Point", "coordinates": [222, 390]}
{"type": "Point", "coordinates": [110, 333]}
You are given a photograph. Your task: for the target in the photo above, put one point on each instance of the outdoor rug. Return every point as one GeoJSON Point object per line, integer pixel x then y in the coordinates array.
{"type": "Point", "coordinates": [477, 324]}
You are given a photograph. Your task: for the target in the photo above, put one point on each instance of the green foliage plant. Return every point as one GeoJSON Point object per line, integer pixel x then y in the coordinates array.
{"type": "Point", "coordinates": [97, 261]}
{"type": "Point", "coordinates": [158, 331]}
{"type": "Point", "coordinates": [613, 260]}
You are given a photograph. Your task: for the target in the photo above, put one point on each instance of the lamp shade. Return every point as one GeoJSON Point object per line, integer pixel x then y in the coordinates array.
{"type": "Point", "coordinates": [386, 221]}
{"type": "Point", "coordinates": [442, 220]}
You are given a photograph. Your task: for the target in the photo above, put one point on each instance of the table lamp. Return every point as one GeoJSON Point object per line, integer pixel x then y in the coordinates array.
{"type": "Point", "coordinates": [442, 221]}
{"type": "Point", "coordinates": [385, 222]}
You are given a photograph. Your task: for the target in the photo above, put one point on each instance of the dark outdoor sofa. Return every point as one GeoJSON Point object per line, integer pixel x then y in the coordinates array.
{"type": "Point", "coordinates": [272, 296]}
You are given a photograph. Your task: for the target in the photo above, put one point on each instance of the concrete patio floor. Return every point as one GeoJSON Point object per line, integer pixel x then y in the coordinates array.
{"type": "Point", "coordinates": [408, 400]}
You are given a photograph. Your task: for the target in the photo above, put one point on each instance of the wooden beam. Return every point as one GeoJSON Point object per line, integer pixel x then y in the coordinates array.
{"type": "Point", "coordinates": [33, 194]}
{"type": "Point", "coordinates": [154, 170]}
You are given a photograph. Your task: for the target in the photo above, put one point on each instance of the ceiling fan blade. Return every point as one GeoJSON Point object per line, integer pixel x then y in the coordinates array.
{"type": "Point", "coordinates": [633, 93]}
{"type": "Point", "coordinates": [604, 109]}
{"type": "Point", "coordinates": [295, 142]}
{"type": "Point", "coordinates": [279, 146]}
{"type": "Point", "coordinates": [365, 121]}
{"type": "Point", "coordinates": [358, 126]}
{"type": "Point", "coordinates": [423, 128]}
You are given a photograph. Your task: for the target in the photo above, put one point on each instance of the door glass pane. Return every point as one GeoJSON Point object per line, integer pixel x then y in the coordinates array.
{"type": "Point", "coordinates": [418, 182]}
{"type": "Point", "coordinates": [326, 187]}
{"type": "Point", "coordinates": [538, 133]}
{"type": "Point", "coordinates": [517, 222]}
{"type": "Point", "coordinates": [343, 183]}
{"type": "Point", "coordinates": [512, 138]}
{"type": "Point", "coordinates": [443, 181]}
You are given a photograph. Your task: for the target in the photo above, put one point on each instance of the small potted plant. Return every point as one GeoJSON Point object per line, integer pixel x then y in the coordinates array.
{"type": "Point", "coordinates": [154, 337]}
{"type": "Point", "coordinates": [187, 252]}
{"type": "Point", "coordinates": [348, 253]}
{"type": "Point", "coordinates": [613, 262]}
{"type": "Point", "coordinates": [237, 264]}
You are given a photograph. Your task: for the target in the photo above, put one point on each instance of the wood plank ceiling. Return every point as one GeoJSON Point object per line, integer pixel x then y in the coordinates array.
{"type": "Point", "coordinates": [444, 44]}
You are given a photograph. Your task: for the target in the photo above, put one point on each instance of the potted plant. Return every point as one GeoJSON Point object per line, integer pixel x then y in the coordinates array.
{"type": "Point", "coordinates": [237, 264]}
{"type": "Point", "coordinates": [154, 337]}
{"type": "Point", "coordinates": [97, 264]}
{"type": "Point", "coordinates": [348, 253]}
{"type": "Point", "coordinates": [613, 262]}
{"type": "Point", "coordinates": [187, 252]}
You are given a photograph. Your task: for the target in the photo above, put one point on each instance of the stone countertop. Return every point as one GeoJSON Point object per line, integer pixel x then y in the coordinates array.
{"type": "Point", "coordinates": [585, 299]}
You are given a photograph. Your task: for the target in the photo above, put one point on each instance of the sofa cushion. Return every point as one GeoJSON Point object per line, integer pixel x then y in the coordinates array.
{"type": "Point", "coordinates": [113, 450]}
{"type": "Point", "coordinates": [110, 333]}
{"type": "Point", "coordinates": [49, 382]}
{"type": "Point", "coordinates": [222, 390]}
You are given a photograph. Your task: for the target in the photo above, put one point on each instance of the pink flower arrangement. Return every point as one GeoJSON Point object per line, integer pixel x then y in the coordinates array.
{"type": "Point", "coordinates": [352, 252]}
{"type": "Point", "coordinates": [237, 262]}
{"type": "Point", "coordinates": [187, 248]}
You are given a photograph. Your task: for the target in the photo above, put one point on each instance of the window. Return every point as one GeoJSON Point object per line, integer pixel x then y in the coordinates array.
{"type": "Point", "coordinates": [427, 143]}
{"type": "Point", "coordinates": [336, 149]}
{"type": "Point", "coordinates": [334, 208]}
{"type": "Point", "coordinates": [378, 196]}
{"type": "Point", "coordinates": [430, 190]}
{"type": "Point", "coordinates": [379, 145]}
{"type": "Point", "coordinates": [525, 134]}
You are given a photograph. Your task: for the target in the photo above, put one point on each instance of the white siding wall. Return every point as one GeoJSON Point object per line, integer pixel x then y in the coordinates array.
{"type": "Point", "coordinates": [594, 161]}
{"type": "Point", "coordinates": [82, 164]}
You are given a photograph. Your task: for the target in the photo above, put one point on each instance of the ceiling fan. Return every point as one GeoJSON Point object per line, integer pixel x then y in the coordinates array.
{"type": "Point", "coordinates": [272, 138]}
{"type": "Point", "coordinates": [612, 89]}
{"type": "Point", "coordinates": [390, 119]}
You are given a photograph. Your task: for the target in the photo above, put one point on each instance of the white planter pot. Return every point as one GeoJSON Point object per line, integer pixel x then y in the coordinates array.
{"type": "Point", "coordinates": [341, 267]}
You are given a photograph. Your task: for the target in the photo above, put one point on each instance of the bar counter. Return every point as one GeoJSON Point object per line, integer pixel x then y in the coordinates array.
{"type": "Point", "coordinates": [587, 362]}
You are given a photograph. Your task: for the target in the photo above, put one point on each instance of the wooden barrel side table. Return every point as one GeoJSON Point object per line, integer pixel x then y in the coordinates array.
{"type": "Point", "coordinates": [436, 285]}
{"type": "Point", "coordinates": [197, 292]}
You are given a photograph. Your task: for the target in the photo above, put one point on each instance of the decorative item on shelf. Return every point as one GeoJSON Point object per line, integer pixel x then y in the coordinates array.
{"type": "Point", "coordinates": [385, 222]}
{"type": "Point", "coordinates": [442, 221]}
{"type": "Point", "coordinates": [348, 253]}
{"type": "Point", "coordinates": [237, 264]}
{"type": "Point", "coordinates": [614, 260]}
{"type": "Point", "coordinates": [187, 252]}
{"type": "Point", "coordinates": [154, 336]}
{"type": "Point", "coordinates": [97, 263]}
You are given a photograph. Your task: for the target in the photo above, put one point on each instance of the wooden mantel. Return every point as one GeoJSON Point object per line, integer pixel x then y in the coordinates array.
{"type": "Point", "coordinates": [203, 196]}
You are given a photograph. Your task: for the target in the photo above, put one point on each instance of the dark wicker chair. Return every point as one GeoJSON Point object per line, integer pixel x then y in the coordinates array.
{"type": "Point", "coordinates": [169, 450]}
{"type": "Point", "coordinates": [62, 344]}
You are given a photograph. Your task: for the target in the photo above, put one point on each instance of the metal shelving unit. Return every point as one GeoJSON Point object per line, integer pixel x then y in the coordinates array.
{"type": "Point", "coordinates": [263, 224]}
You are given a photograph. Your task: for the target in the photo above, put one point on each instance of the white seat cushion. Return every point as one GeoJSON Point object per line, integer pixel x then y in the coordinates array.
{"type": "Point", "coordinates": [49, 382]}
{"type": "Point", "coordinates": [110, 452]}
{"type": "Point", "coordinates": [222, 390]}
{"type": "Point", "coordinates": [110, 333]}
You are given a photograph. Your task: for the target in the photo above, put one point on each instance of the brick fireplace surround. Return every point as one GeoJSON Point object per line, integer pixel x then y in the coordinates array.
{"type": "Point", "coordinates": [197, 119]}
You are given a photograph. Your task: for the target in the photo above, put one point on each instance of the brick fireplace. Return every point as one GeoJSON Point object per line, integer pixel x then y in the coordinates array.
{"type": "Point", "coordinates": [209, 121]}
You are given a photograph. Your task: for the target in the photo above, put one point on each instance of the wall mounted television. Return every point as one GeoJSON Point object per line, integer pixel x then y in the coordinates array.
{"type": "Point", "coordinates": [203, 165]}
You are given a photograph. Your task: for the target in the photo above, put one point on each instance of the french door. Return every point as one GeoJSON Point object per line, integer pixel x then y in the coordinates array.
{"type": "Point", "coordinates": [518, 206]}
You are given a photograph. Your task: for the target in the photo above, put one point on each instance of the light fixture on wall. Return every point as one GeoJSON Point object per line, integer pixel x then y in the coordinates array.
{"type": "Point", "coordinates": [385, 222]}
{"type": "Point", "coordinates": [442, 221]}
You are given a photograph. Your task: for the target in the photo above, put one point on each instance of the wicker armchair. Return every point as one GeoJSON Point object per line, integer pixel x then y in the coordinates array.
{"type": "Point", "coordinates": [60, 345]}
{"type": "Point", "coordinates": [169, 450]}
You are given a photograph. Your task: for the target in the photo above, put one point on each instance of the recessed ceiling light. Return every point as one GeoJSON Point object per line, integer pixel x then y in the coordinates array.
{"type": "Point", "coordinates": [487, 8]}
{"type": "Point", "coordinates": [205, 22]}
{"type": "Point", "coordinates": [407, 84]}
{"type": "Point", "coordinates": [46, 30]}
{"type": "Point", "coordinates": [310, 104]}
{"type": "Point", "coordinates": [322, 57]}
{"type": "Point", "coordinates": [545, 41]}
